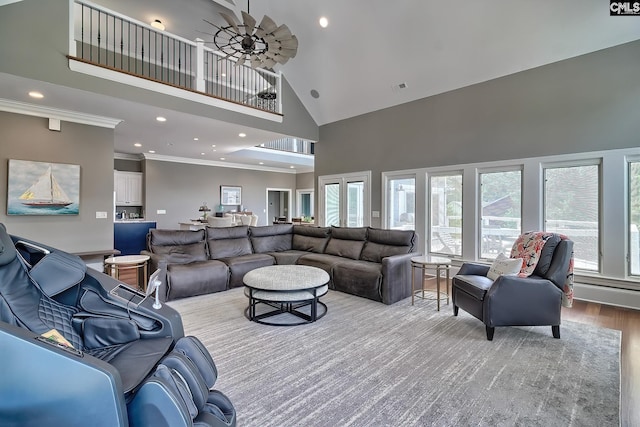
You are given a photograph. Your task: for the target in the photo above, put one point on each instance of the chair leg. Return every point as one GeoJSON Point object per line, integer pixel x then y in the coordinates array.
{"type": "Point", "coordinates": [490, 332]}
{"type": "Point", "coordinates": [455, 310]}
{"type": "Point", "coordinates": [555, 329]}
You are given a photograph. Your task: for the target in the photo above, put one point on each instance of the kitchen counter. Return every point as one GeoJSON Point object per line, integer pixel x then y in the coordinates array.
{"type": "Point", "coordinates": [130, 235]}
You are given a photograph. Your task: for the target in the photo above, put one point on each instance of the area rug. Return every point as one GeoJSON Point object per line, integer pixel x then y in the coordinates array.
{"type": "Point", "coordinates": [369, 364]}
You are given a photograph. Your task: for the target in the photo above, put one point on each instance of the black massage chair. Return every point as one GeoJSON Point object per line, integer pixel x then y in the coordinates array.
{"type": "Point", "coordinates": [78, 348]}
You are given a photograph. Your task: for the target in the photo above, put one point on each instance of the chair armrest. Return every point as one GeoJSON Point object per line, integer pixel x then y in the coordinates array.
{"type": "Point", "coordinates": [474, 269]}
{"type": "Point", "coordinates": [396, 277]}
{"type": "Point", "coordinates": [514, 300]}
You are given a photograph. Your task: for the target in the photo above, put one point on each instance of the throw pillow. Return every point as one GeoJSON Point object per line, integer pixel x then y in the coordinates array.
{"type": "Point", "coordinates": [504, 266]}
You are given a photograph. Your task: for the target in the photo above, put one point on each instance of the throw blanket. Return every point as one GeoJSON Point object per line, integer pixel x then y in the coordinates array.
{"type": "Point", "coordinates": [529, 247]}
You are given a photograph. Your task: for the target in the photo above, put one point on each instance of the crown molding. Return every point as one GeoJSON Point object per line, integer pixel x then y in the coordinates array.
{"type": "Point", "coordinates": [162, 158]}
{"type": "Point", "coordinates": [56, 113]}
{"type": "Point", "coordinates": [127, 156]}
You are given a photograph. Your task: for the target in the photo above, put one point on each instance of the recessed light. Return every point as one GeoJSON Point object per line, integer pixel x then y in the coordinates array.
{"type": "Point", "coordinates": [202, 154]}
{"type": "Point", "coordinates": [213, 146]}
{"type": "Point", "coordinates": [261, 163]}
{"type": "Point", "coordinates": [324, 22]}
{"type": "Point", "coordinates": [158, 25]}
{"type": "Point", "coordinates": [137, 144]}
{"type": "Point", "coordinates": [161, 119]}
{"type": "Point", "coordinates": [292, 167]}
{"type": "Point", "coordinates": [222, 158]}
{"type": "Point", "coordinates": [196, 139]}
{"type": "Point", "coordinates": [152, 151]}
{"type": "Point", "coordinates": [35, 94]}
{"type": "Point", "coordinates": [242, 134]}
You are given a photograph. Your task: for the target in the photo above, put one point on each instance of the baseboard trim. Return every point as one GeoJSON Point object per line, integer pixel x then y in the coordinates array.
{"type": "Point", "coordinates": [606, 295]}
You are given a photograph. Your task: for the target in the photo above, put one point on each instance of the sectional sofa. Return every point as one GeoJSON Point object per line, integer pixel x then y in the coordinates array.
{"type": "Point", "coordinates": [367, 262]}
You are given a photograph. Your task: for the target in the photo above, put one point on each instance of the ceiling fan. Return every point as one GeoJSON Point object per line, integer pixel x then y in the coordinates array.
{"type": "Point", "coordinates": [264, 45]}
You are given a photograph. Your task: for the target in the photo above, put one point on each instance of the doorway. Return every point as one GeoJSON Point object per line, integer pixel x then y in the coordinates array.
{"type": "Point", "coordinates": [278, 204]}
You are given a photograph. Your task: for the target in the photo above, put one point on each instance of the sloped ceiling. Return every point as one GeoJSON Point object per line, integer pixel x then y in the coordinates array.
{"type": "Point", "coordinates": [371, 47]}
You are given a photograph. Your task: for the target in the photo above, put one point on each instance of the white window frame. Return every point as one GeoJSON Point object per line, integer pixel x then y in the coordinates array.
{"type": "Point", "coordinates": [343, 180]}
{"type": "Point", "coordinates": [446, 173]}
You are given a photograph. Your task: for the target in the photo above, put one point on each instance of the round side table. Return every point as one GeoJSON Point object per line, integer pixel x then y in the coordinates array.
{"type": "Point", "coordinates": [428, 262]}
{"type": "Point", "coordinates": [128, 269]}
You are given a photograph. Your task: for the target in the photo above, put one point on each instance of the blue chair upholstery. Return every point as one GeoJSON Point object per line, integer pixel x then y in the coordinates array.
{"type": "Point", "coordinates": [118, 349]}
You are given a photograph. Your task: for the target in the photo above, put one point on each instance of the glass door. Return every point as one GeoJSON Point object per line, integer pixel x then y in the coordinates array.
{"type": "Point", "coordinates": [345, 200]}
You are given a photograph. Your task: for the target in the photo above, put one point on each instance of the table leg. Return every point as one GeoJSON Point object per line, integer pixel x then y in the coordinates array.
{"type": "Point", "coordinates": [438, 285]}
{"type": "Point", "coordinates": [447, 284]}
{"type": "Point", "coordinates": [413, 280]}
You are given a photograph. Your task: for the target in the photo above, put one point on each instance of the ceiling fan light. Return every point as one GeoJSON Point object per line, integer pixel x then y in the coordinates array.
{"type": "Point", "coordinates": [158, 25]}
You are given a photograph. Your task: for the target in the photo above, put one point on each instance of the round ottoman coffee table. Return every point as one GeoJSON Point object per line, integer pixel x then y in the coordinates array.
{"type": "Point", "coordinates": [293, 289]}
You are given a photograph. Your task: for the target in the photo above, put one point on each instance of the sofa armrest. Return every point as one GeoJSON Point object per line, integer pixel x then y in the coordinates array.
{"type": "Point", "coordinates": [514, 300]}
{"type": "Point", "coordinates": [474, 268]}
{"type": "Point", "coordinates": [396, 277]}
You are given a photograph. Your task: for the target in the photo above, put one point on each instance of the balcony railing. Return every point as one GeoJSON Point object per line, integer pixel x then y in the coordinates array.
{"type": "Point", "coordinates": [108, 39]}
{"type": "Point", "coordinates": [292, 145]}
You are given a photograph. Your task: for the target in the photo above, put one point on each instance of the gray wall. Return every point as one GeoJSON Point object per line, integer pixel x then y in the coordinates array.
{"type": "Point", "coordinates": [28, 138]}
{"type": "Point", "coordinates": [305, 180]}
{"type": "Point", "coordinates": [582, 104]}
{"type": "Point", "coordinates": [180, 188]}
{"type": "Point", "coordinates": [47, 40]}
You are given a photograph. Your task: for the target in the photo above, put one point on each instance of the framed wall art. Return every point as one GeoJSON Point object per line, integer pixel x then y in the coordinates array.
{"type": "Point", "coordinates": [230, 195]}
{"type": "Point", "coordinates": [37, 188]}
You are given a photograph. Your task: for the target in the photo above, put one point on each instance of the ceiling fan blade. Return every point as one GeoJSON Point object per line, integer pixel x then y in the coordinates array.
{"type": "Point", "coordinates": [266, 26]}
{"type": "Point", "coordinates": [231, 21]}
{"type": "Point", "coordinates": [281, 59]}
{"type": "Point", "coordinates": [289, 53]}
{"type": "Point", "coordinates": [249, 22]}
{"type": "Point", "coordinates": [240, 61]}
{"type": "Point", "coordinates": [282, 32]}
{"type": "Point", "coordinates": [292, 43]}
{"type": "Point", "coordinates": [256, 62]}
{"type": "Point", "coordinates": [268, 63]}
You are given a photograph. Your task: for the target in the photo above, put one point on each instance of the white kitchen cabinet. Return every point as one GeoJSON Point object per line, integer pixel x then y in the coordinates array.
{"type": "Point", "coordinates": [128, 188]}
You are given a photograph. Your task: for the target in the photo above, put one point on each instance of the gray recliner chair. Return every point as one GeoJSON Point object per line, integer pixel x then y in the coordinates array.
{"type": "Point", "coordinates": [535, 300]}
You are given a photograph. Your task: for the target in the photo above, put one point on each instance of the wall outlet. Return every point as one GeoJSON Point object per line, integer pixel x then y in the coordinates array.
{"type": "Point", "coordinates": [161, 212]}
{"type": "Point", "coordinates": [101, 215]}
{"type": "Point", "coordinates": [375, 214]}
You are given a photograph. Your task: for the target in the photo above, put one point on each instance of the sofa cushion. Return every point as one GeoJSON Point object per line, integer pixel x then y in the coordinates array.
{"type": "Point", "coordinates": [271, 238]}
{"type": "Point", "coordinates": [228, 242]}
{"type": "Point", "coordinates": [310, 239]}
{"type": "Point", "coordinates": [361, 278]}
{"type": "Point", "coordinates": [349, 233]}
{"type": "Point", "coordinates": [477, 286]}
{"type": "Point", "coordinates": [196, 278]}
{"type": "Point", "coordinates": [159, 237]}
{"type": "Point", "coordinates": [392, 237]}
{"type": "Point", "coordinates": [346, 242]}
{"type": "Point", "coordinates": [182, 254]}
{"type": "Point", "coordinates": [323, 261]}
{"type": "Point", "coordinates": [287, 257]}
{"type": "Point", "coordinates": [241, 265]}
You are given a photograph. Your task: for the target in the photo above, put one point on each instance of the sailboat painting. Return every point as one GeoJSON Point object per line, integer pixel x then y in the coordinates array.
{"type": "Point", "coordinates": [37, 188]}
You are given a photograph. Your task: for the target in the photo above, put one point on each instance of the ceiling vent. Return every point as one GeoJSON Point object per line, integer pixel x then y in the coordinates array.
{"type": "Point", "coordinates": [399, 87]}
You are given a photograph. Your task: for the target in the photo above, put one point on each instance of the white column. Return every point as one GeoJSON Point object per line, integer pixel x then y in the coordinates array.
{"type": "Point", "coordinates": [200, 82]}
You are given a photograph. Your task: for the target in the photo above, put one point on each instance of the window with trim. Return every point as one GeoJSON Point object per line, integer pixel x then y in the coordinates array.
{"type": "Point", "coordinates": [401, 203]}
{"type": "Point", "coordinates": [571, 207]}
{"type": "Point", "coordinates": [500, 211]}
{"type": "Point", "coordinates": [446, 214]}
{"type": "Point", "coordinates": [634, 218]}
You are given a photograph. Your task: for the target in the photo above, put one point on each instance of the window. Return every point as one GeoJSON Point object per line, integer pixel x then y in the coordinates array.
{"type": "Point", "coordinates": [344, 200]}
{"type": "Point", "coordinates": [634, 218]}
{"type": "Point", "coordinates": [571, 207]}
{"type": "Point", "coordinates": [446, 214]}
{"type": "Point", "coordinates": [401, 203]}
{"type": "Point", "coordinates": [500, 217]}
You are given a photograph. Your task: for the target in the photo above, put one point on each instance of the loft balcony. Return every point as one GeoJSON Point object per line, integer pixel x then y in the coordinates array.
{"type": "Point", "coordinates": [107, 44]}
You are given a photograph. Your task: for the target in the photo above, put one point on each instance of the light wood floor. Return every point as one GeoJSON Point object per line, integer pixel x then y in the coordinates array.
{"type": "Point", "coordinates": [622, 319]}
